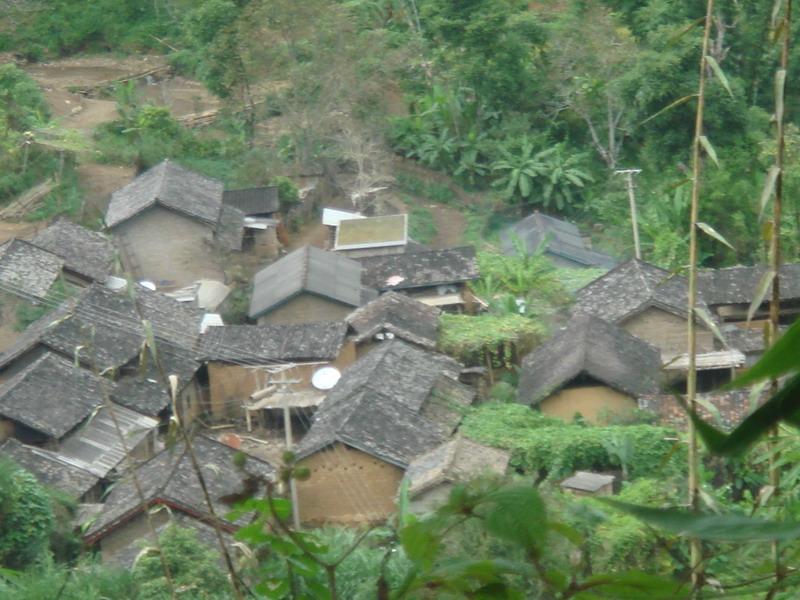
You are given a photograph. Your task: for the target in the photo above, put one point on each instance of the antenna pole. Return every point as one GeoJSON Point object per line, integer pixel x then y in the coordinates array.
{"type": "Point", "coordinates": [629, 173]}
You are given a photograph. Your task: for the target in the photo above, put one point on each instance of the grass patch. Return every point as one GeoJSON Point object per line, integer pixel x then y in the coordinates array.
{"type": "Point", "coordinates": [436, 192]}
{"type": "Point", "coordinates": [421, 225]}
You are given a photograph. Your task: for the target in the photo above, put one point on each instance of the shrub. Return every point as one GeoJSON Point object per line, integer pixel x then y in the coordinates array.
{"type": "Point", "coordinates": [421, 225]}
{"type": "Point", "coordinates": [27, 517]}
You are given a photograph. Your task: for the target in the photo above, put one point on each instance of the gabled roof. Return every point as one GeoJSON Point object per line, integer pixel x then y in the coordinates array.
{"type": "Point", "coordinates": [312, 270]}
{"type": "Point", "coordinates": [109, 321]}
{"type": "Point", "coordinates": [391, 404]}
{"type": "Point", "coordinates": [738, 285]}
{"type": "Point", "coordinates": [630, 288]}
{"type": "Point", "coordinates": [49, 468]}
{"type": "Point", "coordinates": [400, 315]}
{"type": "Point", "coordinates": [253, 201]}
{"type": "Point", "coordinates": [171, 186]}
{"type": "Point", "coordinates": [562, 239]}
{"type": "Point", "coordinates": [28, 269]}
{"type": "Point", "coordinates": [421, 269]}
{"type": "Point", "coordinates": [293, 342]}
{"type": "Point", "coordinates": [455, 461]}
{"type": "Point", "coordinates": [372, 232]}
{"type": "Point", "coordinates": [86, 252]}
{"type": "Point", "coordinates": [168, 478]}
{"type": "Point", "coordinates": [51, 396]}
{"type": "Point", "coordinates": [593, 348]}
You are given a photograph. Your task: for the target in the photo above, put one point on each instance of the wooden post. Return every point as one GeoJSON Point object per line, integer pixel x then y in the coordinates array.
{"type": "Point", "coordinates": [629, 173]}
{"type": "Point", "coordinates": [287, 426]}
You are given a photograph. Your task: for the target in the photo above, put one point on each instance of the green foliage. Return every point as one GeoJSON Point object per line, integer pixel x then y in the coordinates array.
{"type": "Point", "coordinates": [26, 517]}
{"type": "Point", "coordinates": [288, 194]}
{"type": "Point", "coordinates": [28, 312]}
{"type": "Point", "coordinates": [194, 568]}
{"type": "Point", "coordinates": [540, 445]}
{"type": "Point", "coordinates": [430, 190]}
{"type": "Point", "coordinates": [421, 224]}
{"type": "Point", "coordinates": [500, 339]}
{"type": "Point", "coordinates": [85, 580]}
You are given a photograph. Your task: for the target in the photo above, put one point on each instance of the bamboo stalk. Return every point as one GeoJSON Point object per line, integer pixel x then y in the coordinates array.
{"type": "Point", "coordinates": [775, 249]}
{"type": "Point", "coordinates": [696, 561]}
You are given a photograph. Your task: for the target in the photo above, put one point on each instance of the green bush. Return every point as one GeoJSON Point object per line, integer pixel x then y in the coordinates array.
{"type": "Point", "coordinates": [26, 517]}
{"type": "Point", "coordinates": [421, 225]}
{"type": "Point", "coordinates": [288, 194]}
{"type": "Point", "coordinates": [557, 449]}
{"type": "Point", "coordinates": [436, 192]}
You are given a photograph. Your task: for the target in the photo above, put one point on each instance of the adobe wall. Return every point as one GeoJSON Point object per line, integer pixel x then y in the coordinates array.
{"type": "Point", "coordinates": [306, 308]}
{"type": "Point", "coordinates": [666, 331]}
{"type": "Point", "coordinates": [593, 402]}
{"type": "Point", "coordinates": [170, 249]}
{"type": "Point", "coordinates": [230, 384]}
{"type": "Point", "coordinates": [347, 486]}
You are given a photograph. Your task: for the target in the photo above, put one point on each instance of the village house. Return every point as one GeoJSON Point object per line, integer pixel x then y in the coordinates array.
{"type": "Point", "coordinates": [53, 470]}
{"type": "Point", "coordinates": [648, 302]}
{"type": "Point", "coordinates": [171, 224]}
{"type": "Point", "coordinates": [261, 209]}
{"type": "Point", "coordinates": [372, 236]}
{"type": "Point", "coordinates": [27, 270]}
{"type": "Point", "coordinates": [431, 476]}
{"type": "Point", "coordinates": [88, 255]}
{"type": "Point", "coordinates": [245, 359]}
{"type": "Point", "coordinates": [169, 480]}
{"type": "Point", "coordinates": [78, 426]}
{"type": "Point", "coordinates": [391, 316]}
{"type": "Point", "coordinates": [392, 404]}
{"type": "Point", "coordinates": [307, 286]}
{"type": "Point", "coordinates": [592, 368]}
{"type": "Point", "coordinates": [562, 242]}
{"type": "Point", "coordinates": [730, 291]}
{"type": "Point", "coordinates": [102, 329]}
{"type": "Point", "coordinates": [434, 277]}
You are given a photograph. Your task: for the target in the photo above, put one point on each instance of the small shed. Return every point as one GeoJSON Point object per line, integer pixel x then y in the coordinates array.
{"type": "Point", "coordinates": [254, 202]}
{"type": "Point", "coordinates": [372, 236]}
{"type": "Point", "coordinates": [307, 286]}
{"type": "Point", "coordinates": [433, 474]}
{"type": "Point", "coordinates": [563, 243]}
{"type": "Point", "coordinates": [390, 405]}
{"type": "Point", "coordinates": [434, 277]}
{"type": "Point", "coordinates": [586, 483]}
{"type": "Point", "coordinates": [391, 316]}
{"type": "Point", "coordinates": [648, 302]}
{"type": "Point", "coordinates": [88, 255]}
{"type": "Point", "coordinates": [590, 367]}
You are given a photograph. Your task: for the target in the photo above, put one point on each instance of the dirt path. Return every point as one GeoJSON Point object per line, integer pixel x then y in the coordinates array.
{"type": "Point", "coordinates": [450, 226]}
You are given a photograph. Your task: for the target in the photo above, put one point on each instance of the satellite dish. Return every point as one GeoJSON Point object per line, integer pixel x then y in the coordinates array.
{"type": "Point", "coordinates": [325, 378]}
{"type": "Point", "coordinates": [146, 283]}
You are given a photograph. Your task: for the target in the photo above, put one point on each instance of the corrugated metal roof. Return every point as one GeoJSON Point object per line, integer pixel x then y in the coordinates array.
{"type": "Point", "coordinates": [253, 201]}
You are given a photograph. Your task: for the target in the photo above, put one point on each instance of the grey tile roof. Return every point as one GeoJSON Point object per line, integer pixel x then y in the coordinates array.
{"type": "Point", "coordinates": [230, 229]}
{"type": "Point", "coordinates": [591, 347]}
{"type": "Point", "coordinates": [737, 285]}
{"type": "Point", "coordinates": [421, 269]}
{"type": "Point", "coordinates": [253, 201]}
{"type": "Point", "coordinates": [586, 481]}
{"type": "Point", "coordinates": [253, 343]}
{"type": "Point", "coordinates": [382, 405]}
{"type": "Point", "coordinates": [630, 288]}
{"type": "Point", "coordinates": [169, 478]}
{"type": "Point", "coordinates": [49, 468]}
{"type": "Point", "coordinates": [173, 187]}
{"type": "Point", "coordinates": [312, 270]}
{"type": "Point", "coordinates": [88, 253]}
{"type": "Point", "coordinates": [457, 460]}
{"type": "Point", "coordinates": [401, 315]}
{"type": "Point", "coordinates": [51, 396]}
{"type": "Point", "coordinates": [104, 327]}
{"type": "Point", "coordinates": [27, 268]}
{"type": "Point", "coordinates": [561, 237]}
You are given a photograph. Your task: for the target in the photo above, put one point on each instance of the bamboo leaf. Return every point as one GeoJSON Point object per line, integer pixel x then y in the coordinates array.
{"type": "Point", "coordinates": [723, 528]}
{"type": "Point", "coordinates": [783, 406]}
{"type": "Point", "coordinates": [769, 189]}
{"type": "Point", "coordinates": [710, 231]}
{"type": "Point", "coordinates": [712, 154]}
{"type": "Point", "coordinates": [709, 322]}
{"type": "Point", "coordinates": [781, 358]}
{"type": "Point", "coordinates": [669, 107]}
{"type": "Point", "coordinates": [720, 74]}
{"type": "Point", "coordinates": [763, 287]}
{"type": "Point", "coordinates": [684, 30]}
{"type": "Point", "coordinates": [780, 86]}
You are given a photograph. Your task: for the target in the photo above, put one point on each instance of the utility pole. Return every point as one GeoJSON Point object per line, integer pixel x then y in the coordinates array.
{"type": "Point", "coordinates": [629, 173]}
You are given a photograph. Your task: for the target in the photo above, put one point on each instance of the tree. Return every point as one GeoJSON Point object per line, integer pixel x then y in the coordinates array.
{"type": "Point", "coordinates": [26, 517]}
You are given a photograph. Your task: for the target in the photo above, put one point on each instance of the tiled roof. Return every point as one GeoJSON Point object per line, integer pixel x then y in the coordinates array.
{"type": "Point", "coordinates": [421, 269]}
{"type": "Point", "coordinates": [88, 253]}
{"type": "Point", "coordinates": [28, 269]}
{"type": "Point", "coordinates": [400, 315]}
{"type": "Point", "coordinates": [253, 201]}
